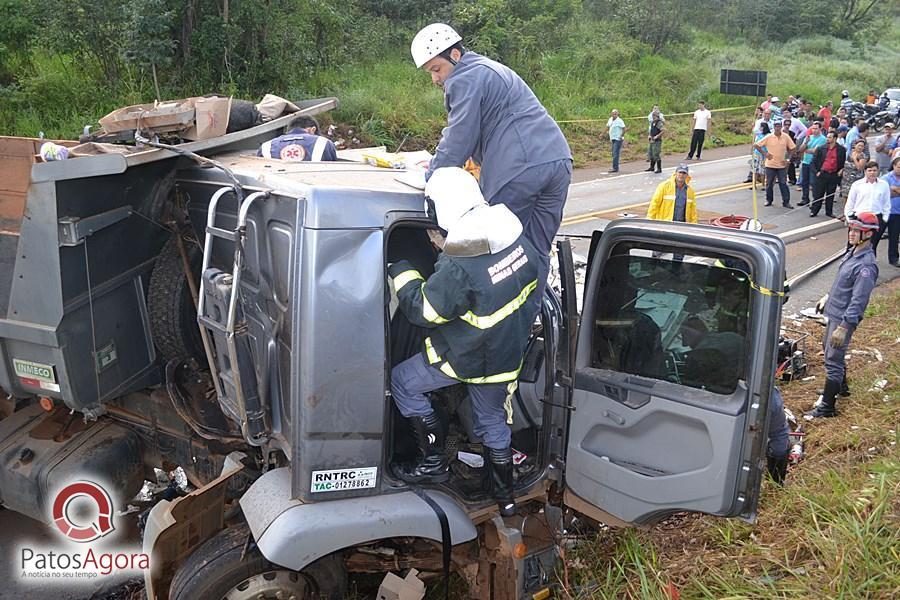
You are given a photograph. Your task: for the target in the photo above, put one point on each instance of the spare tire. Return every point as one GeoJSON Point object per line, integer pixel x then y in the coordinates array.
{"type": "Point", "coordinates": [243, 115]}
{"type": "Point", "coordinates": [173, 316]}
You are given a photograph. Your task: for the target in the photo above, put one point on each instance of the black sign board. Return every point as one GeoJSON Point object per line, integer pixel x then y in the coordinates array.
{"type": "Point", "coordinates": [743, 83]}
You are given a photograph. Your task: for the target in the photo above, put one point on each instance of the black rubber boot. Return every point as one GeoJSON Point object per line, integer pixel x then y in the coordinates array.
{"type": "Point", "coordinates": [825, 408]}
{"type": "Point", "coordinates": [777, 468]}
{"type": "Point", "coordinates": [431, 465]}
{"type": "Point", "coordinates": [500, 467]}
{"type": "Point", "coordinates": [650, 168]}
{"type": "Point", "coordinates": [659, 166]}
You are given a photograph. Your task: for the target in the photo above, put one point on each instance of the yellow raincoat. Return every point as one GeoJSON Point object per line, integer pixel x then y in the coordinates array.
{"type": "Point", "coordinates": [662, 206]}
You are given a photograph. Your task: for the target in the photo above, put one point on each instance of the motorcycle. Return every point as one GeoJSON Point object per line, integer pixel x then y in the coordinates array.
{"type": "Point", "coordinates": [880, 119]}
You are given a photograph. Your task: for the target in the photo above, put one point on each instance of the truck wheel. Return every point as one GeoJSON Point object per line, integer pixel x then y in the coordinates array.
{"type": "Point", "coordinates": [227, 567]}
{"type": "Point", "coordinates": [173, 318]}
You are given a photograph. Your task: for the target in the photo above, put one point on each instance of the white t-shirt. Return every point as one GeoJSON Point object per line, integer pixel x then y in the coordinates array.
{"type": "Point", "coordinates": [701, 118]}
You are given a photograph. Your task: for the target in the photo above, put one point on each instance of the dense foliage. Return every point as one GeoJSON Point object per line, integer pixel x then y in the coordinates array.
{"type": "Point", "coordinates": [63, 63]}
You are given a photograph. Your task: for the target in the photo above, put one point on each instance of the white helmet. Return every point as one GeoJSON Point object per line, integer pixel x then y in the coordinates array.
{"type": "Point", "coordinates": [845, 94]}
{"type": "Point", "coordinates": [431, 41]}
{"type": "Point", "coordinates": [454, 192]}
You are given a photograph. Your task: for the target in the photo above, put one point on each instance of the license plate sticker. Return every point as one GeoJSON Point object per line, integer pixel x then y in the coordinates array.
{"type": "Point", "coordinates": [342, 480]}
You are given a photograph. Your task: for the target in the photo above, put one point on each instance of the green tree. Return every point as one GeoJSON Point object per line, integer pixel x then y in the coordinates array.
{"type": "Point", "coordinates": [150, 43]}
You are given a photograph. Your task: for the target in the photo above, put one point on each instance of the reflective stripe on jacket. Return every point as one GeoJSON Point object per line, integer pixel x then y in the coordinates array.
{"type": "Point", "coordinates": [478, 309]}
{"type": "Point", "coordinates": [662, 206]}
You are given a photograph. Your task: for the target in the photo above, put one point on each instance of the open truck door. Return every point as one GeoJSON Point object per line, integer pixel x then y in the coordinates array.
{"type": "Point", "coordinates": [672, 372]}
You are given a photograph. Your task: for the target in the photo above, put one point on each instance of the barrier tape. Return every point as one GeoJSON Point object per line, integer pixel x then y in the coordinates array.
{"type": "Point", "coordinates": [645, 116]}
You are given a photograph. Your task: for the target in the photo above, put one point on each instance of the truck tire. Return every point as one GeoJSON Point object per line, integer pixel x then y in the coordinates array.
{"type": "Point", "coordinates": [173, 317]}
{"type": "Point", "coordinates": [227, 566]}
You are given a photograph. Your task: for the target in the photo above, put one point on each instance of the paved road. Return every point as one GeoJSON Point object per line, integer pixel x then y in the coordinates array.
{"type": "Point", "coordinates": [596, 197]}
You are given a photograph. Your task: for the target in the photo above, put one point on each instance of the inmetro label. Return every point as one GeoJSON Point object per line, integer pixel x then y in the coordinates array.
{"type": "Point", "coordinates": [339, 480]}
{"type": "Point", "coordinates": [36, 374]}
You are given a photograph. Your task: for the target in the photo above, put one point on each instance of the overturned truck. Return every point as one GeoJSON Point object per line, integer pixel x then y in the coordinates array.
{"type": "Point", "coordinates": [201, 307]}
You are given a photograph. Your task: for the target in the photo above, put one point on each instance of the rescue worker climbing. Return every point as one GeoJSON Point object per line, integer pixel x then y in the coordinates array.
{"type": "Point", "coordinates": [477, 307]}
{"type": "Point", "coordinates": [495, 118]}
{"type": "Point", "coordinates": [844, 306]}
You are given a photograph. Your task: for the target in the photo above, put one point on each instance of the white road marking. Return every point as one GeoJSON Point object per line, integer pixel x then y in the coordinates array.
{"type": "Point", "coordinates": [645, 173]}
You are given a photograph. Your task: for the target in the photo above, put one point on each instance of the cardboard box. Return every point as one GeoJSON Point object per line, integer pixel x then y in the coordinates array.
{"type": "Point", "coordinates": [210, 118]}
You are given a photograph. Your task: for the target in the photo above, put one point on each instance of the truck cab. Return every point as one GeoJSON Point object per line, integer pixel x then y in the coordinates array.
{"type": "Point", "coordinates": [243, 316]}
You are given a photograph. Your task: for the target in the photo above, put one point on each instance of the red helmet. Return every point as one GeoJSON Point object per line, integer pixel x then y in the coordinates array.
{"type": "Point", "coordinates": [865, 221]}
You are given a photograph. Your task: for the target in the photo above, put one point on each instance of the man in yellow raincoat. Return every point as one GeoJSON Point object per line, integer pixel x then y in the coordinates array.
{"type": "Point", "coordinates": [674, 199]}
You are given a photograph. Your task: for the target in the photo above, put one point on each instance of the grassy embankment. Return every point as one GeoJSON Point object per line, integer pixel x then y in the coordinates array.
{"type": "Point", "coordinates": [387, 102]}
{"type": "Point", "coordinates": [832, 532]}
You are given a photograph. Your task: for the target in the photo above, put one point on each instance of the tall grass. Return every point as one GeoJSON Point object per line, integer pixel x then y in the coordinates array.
{"type": "Point", "coordinates": [833, 531]}
{"type": "Point", "coordinates": [598, 69]}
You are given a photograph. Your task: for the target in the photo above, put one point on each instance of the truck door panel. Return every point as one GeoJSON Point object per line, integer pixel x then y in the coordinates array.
{"type": "Point", "coordinates": [673, 369]}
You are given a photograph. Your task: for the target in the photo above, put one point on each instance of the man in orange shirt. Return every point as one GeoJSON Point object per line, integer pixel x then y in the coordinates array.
{"type": "Point", "coordinates": [775, 147]}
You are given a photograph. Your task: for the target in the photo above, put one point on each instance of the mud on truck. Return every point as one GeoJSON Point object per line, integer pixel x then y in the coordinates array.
{"type": "Point", "coordinates": [195, 305]}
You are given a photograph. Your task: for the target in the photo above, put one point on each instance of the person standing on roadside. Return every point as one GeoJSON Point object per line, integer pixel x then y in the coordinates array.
{"type": "Point", "coordinates": [775, 107]}
{"type": "Point", "coordinates": [844, 306]}
{"type": "Point", "coordinates": [825, 113]}
{"type": "Point", "coordinates": [841, 131]}
{"type": "Point", "coordinates": [495, 118]}
{"type": "Point", "coordinates": [858, 131]}
{"type": "Point", "coordinates": [615, 127]}
{"type": "Point", "coordinates": [777, 147]}
{"type": "Point", "coordinates": [855, 167]}
{"type": "Point", "coordinates": [870, 195]}
{"type": "Point", "coordinates": [654, 111]}
{"type": "Point", "coordinates": [828, 164]}
{"type": "Point", "coordinates": [884, 145]}
{"type": "Point", "coordinates": [674, 198]}
{"type": "Point", "coordinates": [700, 126]}
{"type": "Point", "coordinates": [797, 131]}
{"type": "Point", "coordinates": [893, 181]}
{"type": "Point", "coordinates": [654, 149]}
{"type": "Point", "coordinates": [813, 140]}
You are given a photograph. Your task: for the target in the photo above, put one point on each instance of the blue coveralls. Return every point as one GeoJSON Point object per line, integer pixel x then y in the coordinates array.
{"type": "Point", "coordinates": [298, 145]}
{"type": "Point", "coordinates": [495, 118]}
{"type": "Point", "coordinates": [847, 301]}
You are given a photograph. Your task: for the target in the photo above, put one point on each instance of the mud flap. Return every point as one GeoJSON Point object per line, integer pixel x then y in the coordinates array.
{"type": "Point", "coordinates": [174, 529]}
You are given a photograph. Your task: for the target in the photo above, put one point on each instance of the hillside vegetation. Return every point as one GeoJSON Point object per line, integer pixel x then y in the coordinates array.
{"type": "Point", "coordinates": [65, 64]}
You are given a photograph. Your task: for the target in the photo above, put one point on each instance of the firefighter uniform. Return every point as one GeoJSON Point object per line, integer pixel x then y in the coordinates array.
{"type": "Point", "coordinates": [478, 310]}
{"type": "Point", "coordinates": [477, 307]}
{"type": "Point", "coordinates": [846, 304]}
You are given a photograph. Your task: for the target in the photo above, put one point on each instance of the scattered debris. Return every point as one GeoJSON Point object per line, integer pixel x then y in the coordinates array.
{"type": "Point", "coordinates": [810, 378]}
{"type": "Point", "coordinates": [810, 313]}
{"type": "Point", "coordinates": [879, 385]}
{"type": "Point", "coordinates": [476, 461]}
{"type": "Point", "coordinates": [409, 588]}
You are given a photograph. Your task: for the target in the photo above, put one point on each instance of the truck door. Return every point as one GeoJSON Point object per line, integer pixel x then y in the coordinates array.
{"type": "Point", "coordinates": [673, 369]}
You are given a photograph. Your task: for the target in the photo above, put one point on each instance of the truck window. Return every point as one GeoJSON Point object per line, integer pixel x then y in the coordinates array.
{"type": "Point", "coordinates": [675, 317]}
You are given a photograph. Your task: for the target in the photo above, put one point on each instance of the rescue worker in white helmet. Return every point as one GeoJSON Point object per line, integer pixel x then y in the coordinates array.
{"type": "Point", "coordinates": [477, 309]}
{"type": "Point", "coordinates": [844, 306]}
{"type": "Point", "coordinates": [495, 118]}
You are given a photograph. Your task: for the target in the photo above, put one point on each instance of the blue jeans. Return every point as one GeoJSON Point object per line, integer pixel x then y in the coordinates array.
{"type": "Point", "coordinates": [808, 180]}
{"type": "Point", "coordinates": [412, 378]}
{"type": "Point", "coordinates": [781, 175]}
{"type": "Point", "coordinates": [616, 150]}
